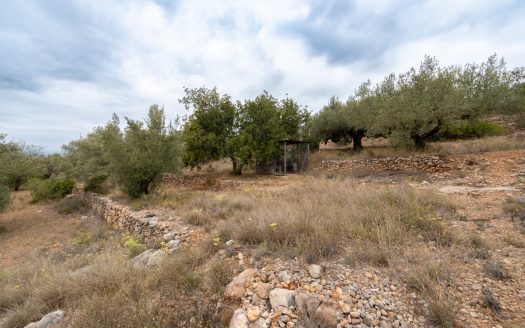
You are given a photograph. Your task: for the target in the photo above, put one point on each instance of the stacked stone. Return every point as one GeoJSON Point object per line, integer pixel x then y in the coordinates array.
{"type": "Point", "coordinates": [202, 182]}
{"type": "Point", "coordinates": [333, 297]}
{"type": "Point", "coordinates": [147, 226]}
{"type": "Point", "coordinates": [424, 163]}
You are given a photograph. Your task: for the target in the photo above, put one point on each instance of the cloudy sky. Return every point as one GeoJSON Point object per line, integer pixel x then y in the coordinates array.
{"type": "Point", "coordinates": [67, 65]}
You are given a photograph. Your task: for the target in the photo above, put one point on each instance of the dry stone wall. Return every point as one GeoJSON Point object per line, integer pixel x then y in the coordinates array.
{"type": "Point", "coordinates": [202, 182]}
{"type": "Point", "coordinates": [423, 163]}
{"type": "Point", "coordinates": [148, 226]}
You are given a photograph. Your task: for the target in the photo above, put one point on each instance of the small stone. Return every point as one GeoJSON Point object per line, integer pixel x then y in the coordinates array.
{"type": "Point", "coordinates": [315, 271]}
{"type": "Point", "coordinates": [355, 314]}
{"type": "Point", "coordinates": [239, 319]}
{"type": "Point", "coordinates": [169, 236]}
{"type": "Point", "coordinates": [253, 314]}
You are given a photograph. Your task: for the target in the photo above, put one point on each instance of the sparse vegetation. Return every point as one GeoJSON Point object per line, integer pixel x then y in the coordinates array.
{"type": "Point", "coordinates": [494, 269]}
{"type": "Point", "coordinates": [70, 205]}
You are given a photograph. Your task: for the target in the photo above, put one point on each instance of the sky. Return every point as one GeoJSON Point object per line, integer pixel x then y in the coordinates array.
{"type": "Point", "coordinates": [66, 66]}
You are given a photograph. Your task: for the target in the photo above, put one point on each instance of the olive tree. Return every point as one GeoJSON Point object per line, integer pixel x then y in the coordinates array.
{"type": "Point", "coordinates": [138, 155]}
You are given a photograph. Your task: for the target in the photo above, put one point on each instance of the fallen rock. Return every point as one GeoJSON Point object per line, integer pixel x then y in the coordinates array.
{"type": "Point", "coordinates": [48, 320]}
{"type": "Point", "coordinates": [315, 271]}
{"type": "Point", "coordinates": [281, 298]}
{"type": "Point", "coordinates": [150, 258]}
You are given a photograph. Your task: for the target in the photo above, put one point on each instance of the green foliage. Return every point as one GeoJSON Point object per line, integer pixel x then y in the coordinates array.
{"type": "Point", "coordinates": [242, 132]}
{"type": "Point", "coordinates": [138, 156]}
{"type": "Point", "coordinates": [4, 198]}
{"type": "Point", "coordinates": [19, 163]}
{"type": "Point", "coordinates": [464, 129]}
{"type": "Point", "coordinates": [96, 184]}
{"type": "Point", "coordinates": [48, 189]}
{"type": "Point", "coordinates": [135, 158]}
{"type": "Point", "coordinates": [425, 103]}
{"type": "Point", "coordinates": [209, 131]}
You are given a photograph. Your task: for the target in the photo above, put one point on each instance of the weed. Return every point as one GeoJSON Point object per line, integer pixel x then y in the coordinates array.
{"type": "Point", "coordinates": [490, 300]}
{"type": "Point", "coordinates": [496, 270]}
{"type": "Point", "coordinates": [478, 247]}
{"type": "Point", "coordinates": [133, 245]}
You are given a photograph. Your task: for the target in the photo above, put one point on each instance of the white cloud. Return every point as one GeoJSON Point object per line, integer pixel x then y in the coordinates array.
{"type": "Point", "coordinates": [93, 58]}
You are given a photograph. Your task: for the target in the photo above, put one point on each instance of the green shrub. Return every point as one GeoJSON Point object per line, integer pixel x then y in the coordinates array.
{"type": "Point", "coordinates": [4, 198]}
{"type": "Point", "coordinates": [52, 188]}
{"type": "Point", "coordinates": [464, 129]}
{"type": "Point", "coordinates": [133, 245]}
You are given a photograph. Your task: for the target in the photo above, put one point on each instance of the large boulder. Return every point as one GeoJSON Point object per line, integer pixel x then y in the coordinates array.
{"type": "Point", "coordinates": [49, 320]}
{"type": "Point", "coordinates": [150, 258]}
{"type": "Point", "coordinates": [281, 298]}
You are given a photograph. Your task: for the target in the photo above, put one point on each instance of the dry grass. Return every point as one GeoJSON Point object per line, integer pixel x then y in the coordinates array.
{"type": "Point", "coordinates": [321, 217]}
{"type": "Point", "coordinates": [431, 279]}
{"type": "Point", "coordinates": [110, 292]}
{"type": "Point", "coordinates": [477, 246]}
{"type": "Point", "coordinates": [494, 269]}
{"type": "Point", "coordinates": [476, 146]}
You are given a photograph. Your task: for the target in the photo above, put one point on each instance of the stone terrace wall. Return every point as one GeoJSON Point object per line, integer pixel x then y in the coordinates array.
{"type": "Point", "coordinates": [147, 226]}
{"type": "Point", "coordinates": [202, 182]}
{"type": "Point", "coordinates": [424, 163]}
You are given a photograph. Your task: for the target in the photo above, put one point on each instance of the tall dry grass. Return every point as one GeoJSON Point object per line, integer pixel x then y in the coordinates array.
{"type": "Point", "coordinates": [321, 217]}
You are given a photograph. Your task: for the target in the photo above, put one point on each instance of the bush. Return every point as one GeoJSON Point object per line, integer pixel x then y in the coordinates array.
{"type": "Point", "coordinates": [463, 129]}
{"type": "Point", "coordinates": [71, 205]}
{"type": "Point", "coordinates": [52, 188]}
{"type": "Point", "coordinates": [4, 198]}
{"type": "Point", "coordinates": [96, 184]}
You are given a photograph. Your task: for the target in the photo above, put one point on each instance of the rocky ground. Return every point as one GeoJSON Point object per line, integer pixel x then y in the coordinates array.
{"type": "Point", "coordinates": [273, 291]}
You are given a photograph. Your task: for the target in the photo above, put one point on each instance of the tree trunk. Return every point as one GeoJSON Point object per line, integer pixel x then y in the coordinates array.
{"type": "Point", "coordinates": [236, 168]}
{"type": "Point", "coordinates": [357, 138]}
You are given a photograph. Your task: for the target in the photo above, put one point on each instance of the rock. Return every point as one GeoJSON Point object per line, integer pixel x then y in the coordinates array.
{"type": "Point", "coordinates": [284, 276]}
{"type": "Point", "coordinates": [315, 271]}
{"type": "Point", "coordinates": [173, 243]}
{"type": "Point", "coordinates": [169, 236]}
{"type": "Point", "coordinates": [239, 319]}
{"type": "Point", "coordinates": [281, 298]}
{"type": "Point", "coordinates": [263, 290]}
{"type": "Point", "coordinates": [229, 242]}
{"type": "Point", "coordinates": [253, 314]}
{"type": "Point", "coordinates": [327, 314]}
{"type": "Point", "coordinates": [355, 314]}
{"type": "Point", "coordinates": [237, 287]}
{"type": "Point", "coordinates": [48, 320]}
{"type": "Point", "coordinates": [150, 258]}
{"type": "Point", "coordinates": [260, 323]}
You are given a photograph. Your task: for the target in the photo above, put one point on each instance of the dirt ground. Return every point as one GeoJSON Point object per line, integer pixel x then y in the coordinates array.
{"type": "Point", "coordinates": [33, 228]}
